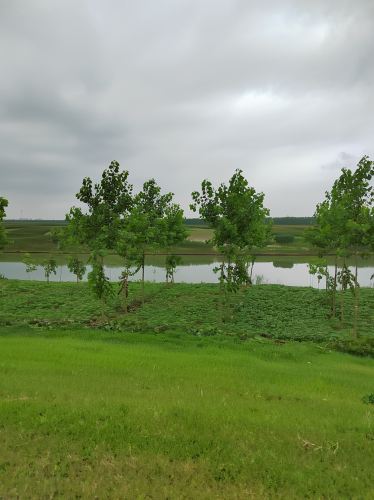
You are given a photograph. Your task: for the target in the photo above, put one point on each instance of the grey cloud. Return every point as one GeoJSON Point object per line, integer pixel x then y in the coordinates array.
{"type": "Point", "coordinates": [343, 160]}
{"type": "Point", "coordinates": [183, 90]}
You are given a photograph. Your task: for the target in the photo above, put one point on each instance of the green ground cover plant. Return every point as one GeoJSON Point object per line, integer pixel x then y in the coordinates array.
{"type": "Point", "coordinates": [270, 311]}
{"type": "Point", "coordinates": [87, 414]}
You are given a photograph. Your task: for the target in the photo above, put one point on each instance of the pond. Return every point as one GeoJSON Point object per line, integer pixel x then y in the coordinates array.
{"type": "Point", "coordinates": [276, 272]}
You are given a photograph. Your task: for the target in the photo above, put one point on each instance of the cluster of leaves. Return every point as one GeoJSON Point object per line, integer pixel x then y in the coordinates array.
{"type": "Point", "coordinates": [363, 346]}
{"type": "Point", "coordinates": [29, 263]}
{"type": "Point", "coordinates": [368, 399]}
{"type": "Point", "coordinates": [3, 205]}
{"type": "Point", "coordinates": [50, 267]}
{"type": "Point", "coordinates": [77, 267]}
{"type": "Point", "coordinates": [345, 219]}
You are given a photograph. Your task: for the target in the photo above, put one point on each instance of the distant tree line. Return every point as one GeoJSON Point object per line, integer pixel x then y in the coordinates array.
{"type": "Point", "coordinates": [293, 221]}
{"type": "Point", "coordinates": [277, 221]}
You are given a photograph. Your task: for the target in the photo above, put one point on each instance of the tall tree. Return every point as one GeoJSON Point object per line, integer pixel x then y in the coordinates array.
{"type": "Point", "coordinates": [171, 231]}
{"type": "Point", "coordinates": [327, 236]}
{"type": "Point", "coordinates": [149, 208]}
{"type": "Point", "coordinates": [345, 225]}
{"type": "Point", "coordinates": [237, 215]}
{"type": "Point", "coordinates": [155, 222]}
{"type": "Point", "coordinates": [355, 193]}
{"type": "Point", "coordinates": [108, 203]}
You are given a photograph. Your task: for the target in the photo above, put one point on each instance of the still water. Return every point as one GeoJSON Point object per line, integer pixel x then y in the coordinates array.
{"type": "Point", "coordinates": [264, 272]}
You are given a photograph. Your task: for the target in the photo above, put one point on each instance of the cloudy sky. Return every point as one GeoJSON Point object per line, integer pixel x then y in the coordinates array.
{"type": "Point", "coordinates": [182, 90]}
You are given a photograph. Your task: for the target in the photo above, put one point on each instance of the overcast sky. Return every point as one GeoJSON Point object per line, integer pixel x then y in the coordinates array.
{"type": "Point", "coordinates": [182, 90]}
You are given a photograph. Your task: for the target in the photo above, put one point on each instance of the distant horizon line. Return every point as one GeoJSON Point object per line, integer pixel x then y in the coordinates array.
{"type": "Point", "coordinates": [187, 218]}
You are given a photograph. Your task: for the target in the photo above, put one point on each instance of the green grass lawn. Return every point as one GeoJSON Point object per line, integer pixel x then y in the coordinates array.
{"type": "Point", "coordinates": [92, 414]}
{"type": "Point", "coordinates": [174, 400]}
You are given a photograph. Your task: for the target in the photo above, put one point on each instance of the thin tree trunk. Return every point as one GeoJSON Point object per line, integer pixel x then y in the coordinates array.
{"type": "Point", "coordinates": [143, 265]}
{"type": "Point", "coordinates": [125, 290]}
{"type": "Point", "coordinates": [103, 315]}
{"type": "Point", "coordinates": [342, 306]}
{"type": "Point", "coordinates": [342, 299]}
{"type": "Point", "coordinates": [221, 289]}
{"type": "Point", "coordinates": [356, 302]}
{"type": "Point", "coordinates": [251, 273]}
{"type": "Point", "coordinates": [334, 290]}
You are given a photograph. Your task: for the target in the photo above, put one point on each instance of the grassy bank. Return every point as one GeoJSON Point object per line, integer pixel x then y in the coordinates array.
{"type": "Point", "coordinates": [275, 311]}
{"type": "Point", "coordinates": [94, 414]}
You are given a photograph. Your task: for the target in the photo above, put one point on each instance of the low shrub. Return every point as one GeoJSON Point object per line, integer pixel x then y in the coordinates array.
{"type": "Point", "coordinates": [363, 346]}
{"type": "Point", "coordinates": [284, 238]}
{"type": "Point", "coordinates": [368, 399]}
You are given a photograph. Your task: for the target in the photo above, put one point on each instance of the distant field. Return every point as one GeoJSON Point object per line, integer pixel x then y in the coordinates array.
{"type": "Point", "coordinates": [35, 236]}
{"type": "Point", "coordinates": [200, 234]}
{"type": "Point", "coordinates": [27, 236]}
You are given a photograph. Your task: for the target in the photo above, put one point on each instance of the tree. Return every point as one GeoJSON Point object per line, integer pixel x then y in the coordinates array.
{"type": "Point", "coordinates": [345, 224]}
{"type": "Point", "coordinates": [238, 217]}
{"type": "Point", "coordinates": [108, 203]}
{"type": "Point", "coordinates": [30, 265]}
{"type": "Point", "coordinates": [150, 206]}
{"type": "Point", "coordinates": [160, 222]}
{"type": "Point", "coordinates": [326, 235]}
{"type": "Point", "coordinates": [98, 281]}
{"type": "Point", "coordinates": [154, 222]}
{"type": "Point", "coordinates": [320, 270]}
{"type": "Point", "coordinates": [355, 193]}
{"type": "Point", "coordinates": [171, 231]}
{"type": "Point", "coordinates": [171, 263]}
{"type": "Point", "coordinates": [77, 267]}
{"type": "Point", "coordinates": [49, 266]}
{"type": "Point", "coordinates": [3, 205]}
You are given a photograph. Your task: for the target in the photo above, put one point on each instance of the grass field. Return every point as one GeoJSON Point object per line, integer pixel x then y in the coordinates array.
{"type": "Point", "coordinates": [170, 401]}
{"type": "Point", "coordinates": [98, 415]}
